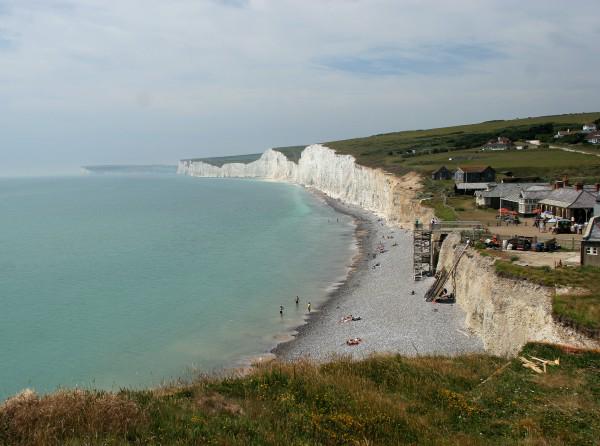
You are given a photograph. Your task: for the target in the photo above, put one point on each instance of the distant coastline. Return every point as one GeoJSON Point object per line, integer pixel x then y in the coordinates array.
{"type": "Point", "coordinates": [116, 169]}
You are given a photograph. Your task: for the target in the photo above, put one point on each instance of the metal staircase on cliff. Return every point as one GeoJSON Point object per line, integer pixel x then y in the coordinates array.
{"type": "Point", "coordinates": [442, 277]}
{"type": "Point", "coordinates": [421, 252]}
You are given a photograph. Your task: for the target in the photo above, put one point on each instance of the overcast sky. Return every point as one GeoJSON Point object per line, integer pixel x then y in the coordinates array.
{"type": "Point", "coordinates": [152, 81]}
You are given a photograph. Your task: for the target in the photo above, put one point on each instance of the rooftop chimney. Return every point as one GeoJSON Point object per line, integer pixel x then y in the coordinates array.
{"type": "Point", "coordinates": [597, 187]}
{"type": "Point", "coordinates": [558, 184]}
{"type": "Point", "coordinates": [578, 186]}
{"type": "Point", "coordinates": [565, 180]}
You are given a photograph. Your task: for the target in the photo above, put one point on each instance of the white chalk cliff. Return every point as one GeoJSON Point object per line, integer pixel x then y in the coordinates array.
{"type": "Point", "coordinates": [505, 313]}
{"type": "Point", "coordinates": [338, 176]}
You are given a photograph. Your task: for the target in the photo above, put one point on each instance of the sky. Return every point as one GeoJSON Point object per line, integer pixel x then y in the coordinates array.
{"type": "Point", "coordinates": [151, 81]}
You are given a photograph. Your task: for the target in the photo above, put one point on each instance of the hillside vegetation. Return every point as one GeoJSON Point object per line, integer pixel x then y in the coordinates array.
{"type": "Point", "coordinates": [393, 152]}
{"type": "Point", "coordinates": [385, 400]}
{"type": "Point", "coordinates": [292, 153]}
{"type": "Point", "coordinates": [426, 150]}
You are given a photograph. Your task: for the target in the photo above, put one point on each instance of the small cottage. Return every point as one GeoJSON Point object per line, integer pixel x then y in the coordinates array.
{"type": "Point", "coordinates": [475, 174]}
{"type": "Point", "coordinates": [593, 138]}
{"type": "Point", "coordinates": [590, 243]}
{"type": "Point", "coordinates": [442, 174]}
{"type": "Point", "coordinates": [520, 197]}
{"type": "Point", "coordinates": [500, 143]}
{"type": "Point", "coordinates": [575, 203]}
{"type": "Point", "coordinates": [563, 133]}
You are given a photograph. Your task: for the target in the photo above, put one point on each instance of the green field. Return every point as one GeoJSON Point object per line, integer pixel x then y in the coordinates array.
{"type": "Point", "coordinates": [547, 164]}
{"type": "Point", "coordinates": [434, 147]}
{"type": "Point", "coordinates": [385, 400]}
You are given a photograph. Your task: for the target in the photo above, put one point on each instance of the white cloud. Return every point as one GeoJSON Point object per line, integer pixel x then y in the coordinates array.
{"type": "Point", "coordinates": [218, 76]}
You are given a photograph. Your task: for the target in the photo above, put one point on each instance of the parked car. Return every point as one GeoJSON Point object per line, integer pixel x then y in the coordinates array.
{"type": "Point", "coordinates": [521, 243]}
{"type": "Point", "coordinates": [547, 246]}
{"type": "Point", "coordinates": [562, 227]}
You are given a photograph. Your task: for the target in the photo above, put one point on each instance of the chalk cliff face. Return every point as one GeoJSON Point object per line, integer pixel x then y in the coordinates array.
{"type": "Point", "coordinates": [506, 313]}
{"type": "Point", "coordinates": [336, 175]}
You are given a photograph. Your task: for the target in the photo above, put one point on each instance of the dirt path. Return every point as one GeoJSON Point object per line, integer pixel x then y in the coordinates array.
{"type": "Point", "coordinates": [565, 149]}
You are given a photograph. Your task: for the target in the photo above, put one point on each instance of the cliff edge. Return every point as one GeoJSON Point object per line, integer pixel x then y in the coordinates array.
{"type": "Point", "coordinates": [339, 176]}
{"type": "Point", "coordinates": [505, 313]}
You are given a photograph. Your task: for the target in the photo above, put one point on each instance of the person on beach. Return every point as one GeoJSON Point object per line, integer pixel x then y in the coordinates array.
{"type": "Point", "coordinates": [297, 300]}
{"type": "Point", "coordinates": [308, 307]}
{"type": "Point", "coordinates": [281, 310]}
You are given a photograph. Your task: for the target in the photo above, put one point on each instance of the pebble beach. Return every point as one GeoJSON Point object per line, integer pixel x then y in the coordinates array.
{"type": "Point", "coordinates": [379, 290]}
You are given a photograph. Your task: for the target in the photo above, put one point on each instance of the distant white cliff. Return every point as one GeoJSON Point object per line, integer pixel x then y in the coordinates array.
{"type": "Point", "coordinates": [338, 176]}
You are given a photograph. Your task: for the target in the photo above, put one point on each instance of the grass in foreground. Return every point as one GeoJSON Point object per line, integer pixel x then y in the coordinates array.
{"type": "Point", "coordinates": [582, 308]}
{"type": "Point", "coordinates": [468, 400]}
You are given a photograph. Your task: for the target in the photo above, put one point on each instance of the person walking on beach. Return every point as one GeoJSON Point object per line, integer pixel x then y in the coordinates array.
{"type": "Point", "coordinates": [297, 300]}
{"type": "Point", "coordinates": [308, 307]}
{"type": "Point", "coordinates": [281, 310]}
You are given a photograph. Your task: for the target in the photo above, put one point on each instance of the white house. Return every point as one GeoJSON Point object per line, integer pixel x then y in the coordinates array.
{"type": "Point", "coordinates": [593, 138]}
{"type": "Point", "coordinates": [500, 143]}
{"type": "Point", "coordinates": [562, 133]}
{"type": "Point", "coordinates": [589, 128]}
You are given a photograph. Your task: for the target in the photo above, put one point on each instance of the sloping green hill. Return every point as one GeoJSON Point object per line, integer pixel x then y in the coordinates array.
{"type": "Point", "coordinates": [218, 161]}
{"type": "Point", "coordinates": [426, 150]}
{"type": "Point", "coordinates": [292, 153]}
{"type": "Point", "coordinates": [433, 147]}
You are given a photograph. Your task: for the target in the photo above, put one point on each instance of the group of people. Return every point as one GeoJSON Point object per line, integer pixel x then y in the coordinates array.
{"type": "Point", "coordinates": [577, 228]}
{"type": "Point", "coordinates": [544, 225]}
{"type": "Point", "coordinates": [297, 300]}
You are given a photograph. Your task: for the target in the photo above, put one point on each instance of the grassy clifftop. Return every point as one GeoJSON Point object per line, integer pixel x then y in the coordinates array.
{"type": "Point", "coordinates": [426, 150]}
{"type": "Point", "coordinates": [433, 147]}
{"type": "Point", "coordinates": [472, 400]}
{"type": "Point", "coordinates": [292, 153]}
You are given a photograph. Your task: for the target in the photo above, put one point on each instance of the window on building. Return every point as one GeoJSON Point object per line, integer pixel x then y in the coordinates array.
{"type": "Point", "coordinates": [591, 250]}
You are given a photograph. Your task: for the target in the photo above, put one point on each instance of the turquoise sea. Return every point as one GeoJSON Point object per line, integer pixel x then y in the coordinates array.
{"type": "Point", "coordinates": [114, 281]}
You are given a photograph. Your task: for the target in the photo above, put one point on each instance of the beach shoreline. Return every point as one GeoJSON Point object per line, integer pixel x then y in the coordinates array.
{"type": "Point", "coordinates": [362, 236]}
{"type": "Point", "coordinates": [378, 289]}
